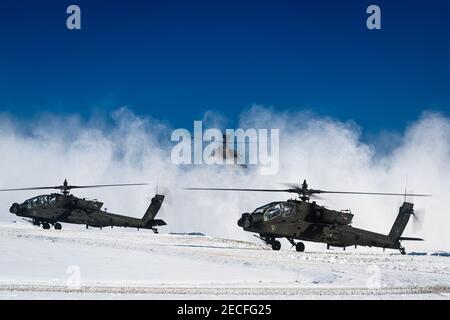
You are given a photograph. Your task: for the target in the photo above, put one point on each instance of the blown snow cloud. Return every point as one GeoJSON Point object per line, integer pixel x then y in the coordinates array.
{"type": "Point", "coordinates": [330, 154]}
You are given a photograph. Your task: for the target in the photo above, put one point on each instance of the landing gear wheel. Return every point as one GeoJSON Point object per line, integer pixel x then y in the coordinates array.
{"type": "Point", "coordinates": [276, 245]}
{"type": "Point", "coordinates": [300, 247]}
{"type": "Point", "coordinates": [58, 226]}
{"type": "Point", "coordinates": [45, 226]}
{"type": "Point", "coordinates": [402, 251]}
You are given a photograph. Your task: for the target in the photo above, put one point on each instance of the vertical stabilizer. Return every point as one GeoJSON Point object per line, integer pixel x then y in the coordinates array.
{"type": "Point", "coordinates": [153, 209]}
{"type": "Point", "coordinates": [400, 223]}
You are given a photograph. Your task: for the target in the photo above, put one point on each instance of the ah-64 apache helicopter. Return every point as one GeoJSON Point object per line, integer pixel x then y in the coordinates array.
{"type": "Point", "coordinates": [304, 220]}
{"type": "Point", "coordinates": [51, 209]}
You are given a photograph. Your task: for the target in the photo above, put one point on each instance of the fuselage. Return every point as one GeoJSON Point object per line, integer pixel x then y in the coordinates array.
{"type": "Point", "coordinates": [310, 222]}
{"type": "Point", "coordinates": [55, 208]}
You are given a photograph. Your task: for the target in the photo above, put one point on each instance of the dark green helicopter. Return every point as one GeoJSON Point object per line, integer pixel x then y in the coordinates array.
{"type": "Point", "coordinates": [304, 220]}
{"type": "Point", "coordinates": [52, 209]}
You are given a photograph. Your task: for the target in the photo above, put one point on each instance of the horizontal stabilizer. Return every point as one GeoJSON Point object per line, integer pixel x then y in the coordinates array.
{"type": "Point", "coordinates": [410, 239]}
{"type": "Point", "coordinates": [156, 222]}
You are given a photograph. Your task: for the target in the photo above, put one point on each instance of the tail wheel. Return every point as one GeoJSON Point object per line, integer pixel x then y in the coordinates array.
{"type": "Point", "coordinates": [300, 247]}
{"type": "Point", "coordinates": [58, 226]}
{"type": "Point", "coordinates": [402, 251]}
{"type": "Point", "coordinates": [276, 245]}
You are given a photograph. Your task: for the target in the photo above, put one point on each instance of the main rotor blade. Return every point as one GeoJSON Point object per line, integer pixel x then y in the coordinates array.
{"type": "Point", "coordinates": [243, 189]}
{"type": "Point", "coordinates": [315, 191]}
{"type": "Point", "coordinates": [33, 188]}
{"type": "Point", "coordinates": [76, 187]}
{"type": "Point", "coordinates": [107, 185]}
{"type": "Point", "coordinates": [312, 191]}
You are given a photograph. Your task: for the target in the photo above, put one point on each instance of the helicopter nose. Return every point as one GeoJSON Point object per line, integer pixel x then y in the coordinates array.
{"type": "Point", "coordinates": [245, 221]}
{"type": "Point", "coordinates": [241, 220]}
{"type": "Point", "coordinates": [14, 208]}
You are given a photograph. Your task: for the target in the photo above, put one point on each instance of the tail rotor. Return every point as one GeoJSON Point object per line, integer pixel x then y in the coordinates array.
{"type": "Point", "coordinates": [418, 218]}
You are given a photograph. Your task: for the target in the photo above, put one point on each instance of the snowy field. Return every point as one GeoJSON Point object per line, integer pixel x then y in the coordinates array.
{"type": "Point", "coordinates": [76, 263]}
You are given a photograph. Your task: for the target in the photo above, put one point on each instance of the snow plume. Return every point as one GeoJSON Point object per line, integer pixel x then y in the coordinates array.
{"type": "Point", "coordinates": [328, 153]}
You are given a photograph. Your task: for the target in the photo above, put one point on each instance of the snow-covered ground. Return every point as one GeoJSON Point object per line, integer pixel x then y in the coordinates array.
{"type": "Point", "coordinates": [120, 263]}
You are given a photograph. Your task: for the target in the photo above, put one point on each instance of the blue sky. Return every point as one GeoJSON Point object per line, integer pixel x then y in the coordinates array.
{"type": "Point", "coordinates": [174, 60]}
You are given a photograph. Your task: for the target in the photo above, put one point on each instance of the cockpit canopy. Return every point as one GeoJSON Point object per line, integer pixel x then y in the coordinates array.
{"type": "Point", "coordinates": [274, 209]}
{"type": "Point", "coordinates": [39, 201]}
